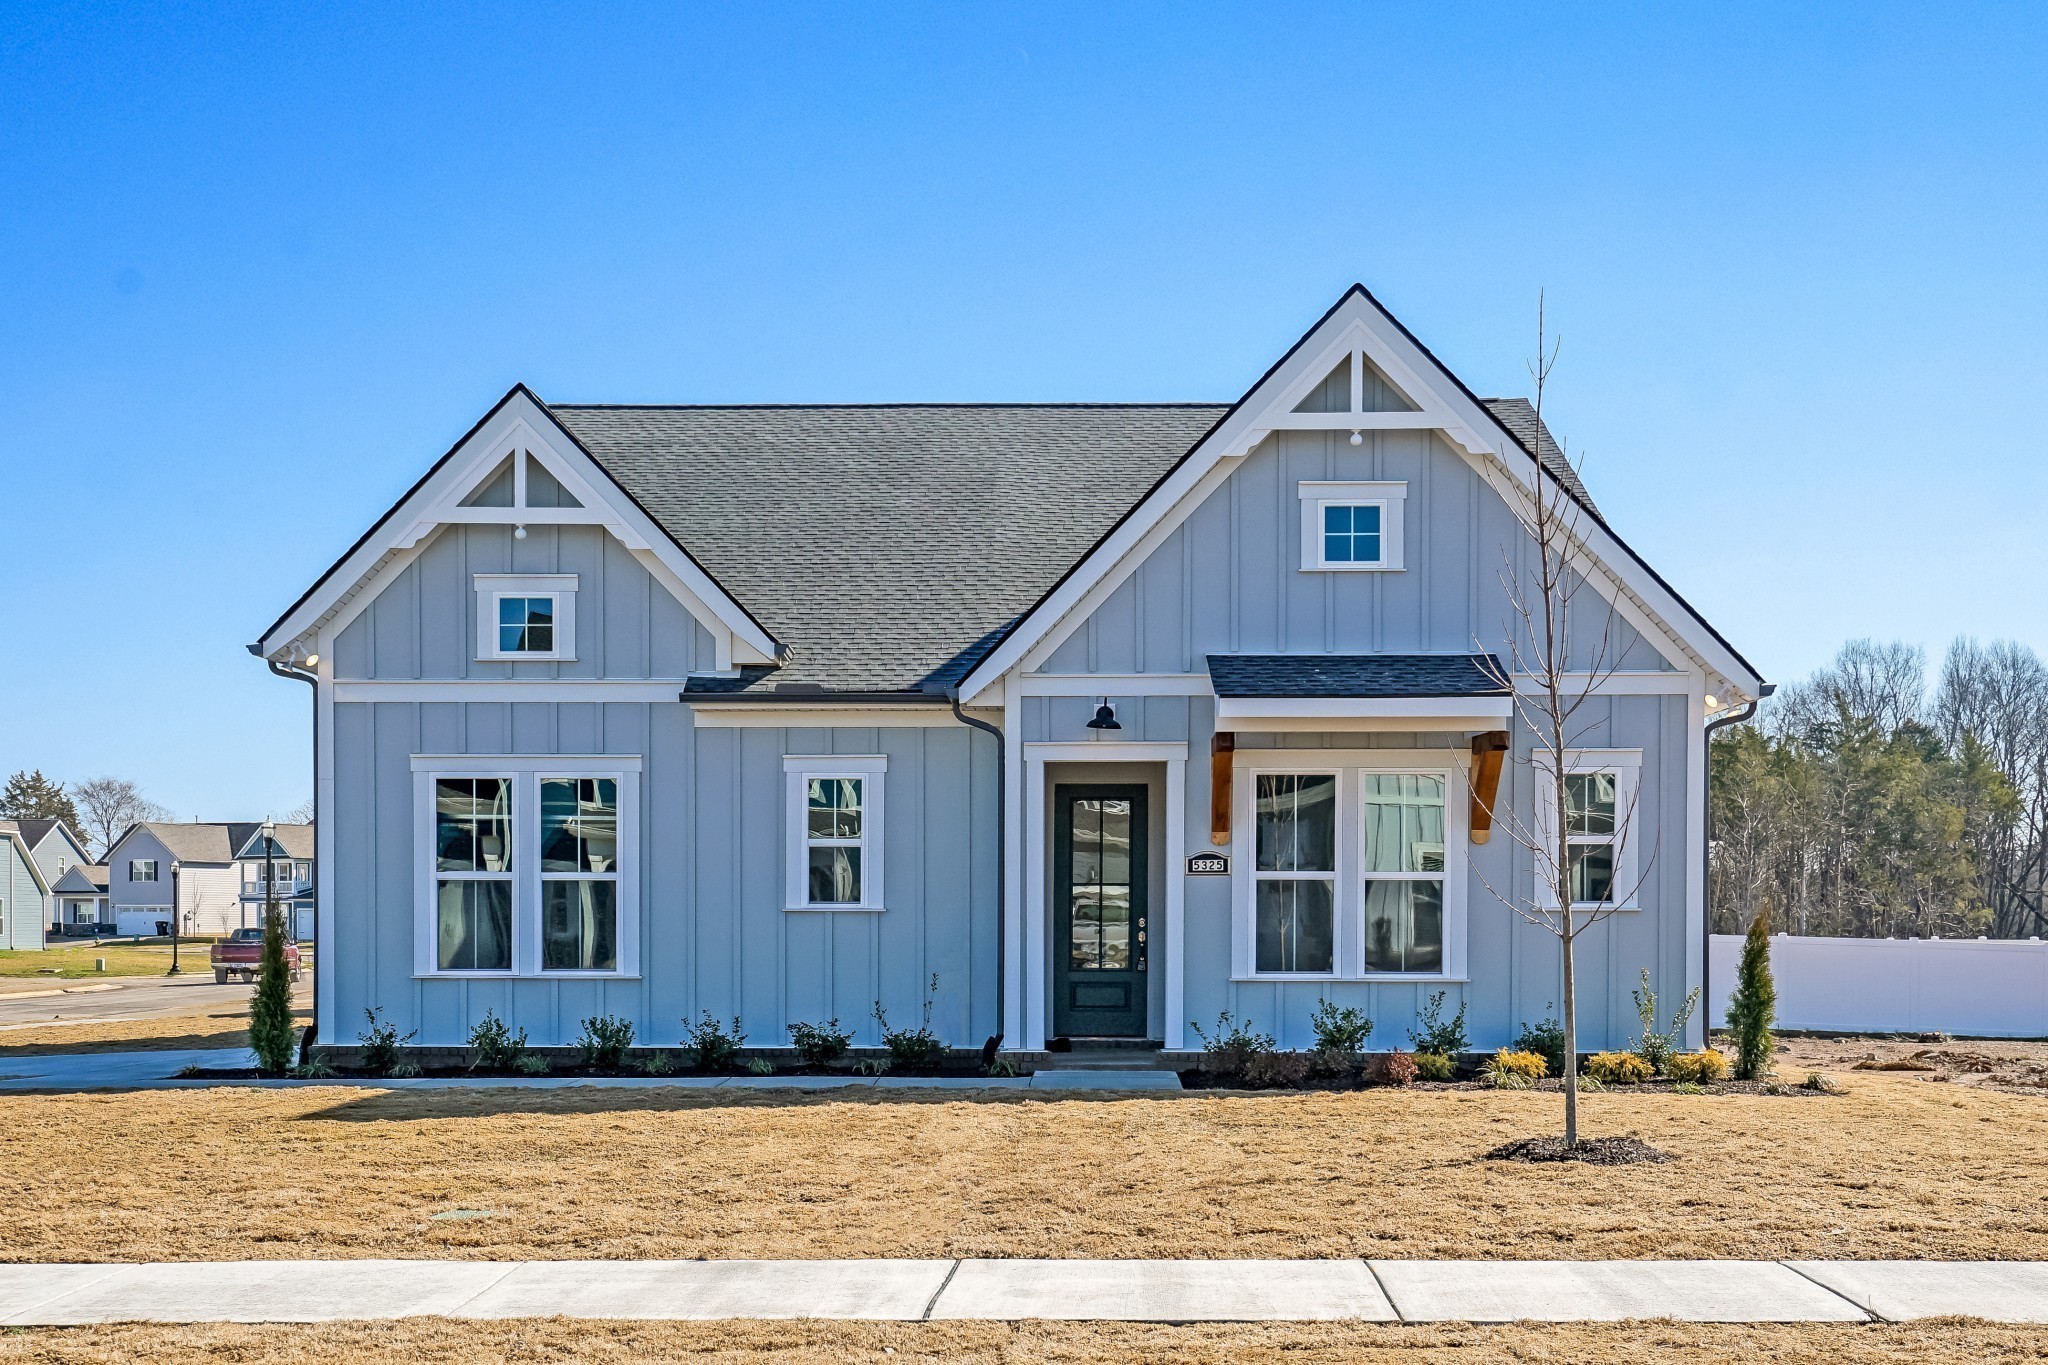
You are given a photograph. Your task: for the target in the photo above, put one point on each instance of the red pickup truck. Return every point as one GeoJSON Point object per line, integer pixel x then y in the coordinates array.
{"type": "Point", "coordinates": [241, 954]}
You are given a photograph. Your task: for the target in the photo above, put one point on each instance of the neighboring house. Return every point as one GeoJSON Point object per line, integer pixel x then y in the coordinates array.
{"type": "Point", "coordinates": [1112, 717]}
{"type": "Point", "coordinates": [55, 848]}
{"type": "Point", "coordinates": [80, 896]}
{"type": "Point", "coordinates": [292, 868]}
{"type": "Point", "coordinates": [158, 867]}
{"type": "Point", "coordinates": [24, 891]}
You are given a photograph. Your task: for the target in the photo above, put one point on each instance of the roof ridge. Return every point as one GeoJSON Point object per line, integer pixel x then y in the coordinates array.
{"type": "Point", "coordinates": [800, 407]}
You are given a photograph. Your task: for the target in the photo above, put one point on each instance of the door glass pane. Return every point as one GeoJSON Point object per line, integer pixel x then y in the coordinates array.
{"type": "Point", "coordinates": [1295, 926]}
{"type": "Point", "coordinates": [579, 923]}
{"type": "Point", "coordinates": [472, 824]}
{"type": "Point", "coordinates": [1404, 822]}
{"type": "Point", "coordinates": [835, 875]}
{"type": "Point", "coordinates": [1296, 819]}
{"type": "Point", "coordinates": [579, 824]}
{"type": "Point", "coordinates": [1099, 885]}
{"type": "Point", "coordinates": [1404, 926]}
{"type": "Point", "coordinates": [475, 926]}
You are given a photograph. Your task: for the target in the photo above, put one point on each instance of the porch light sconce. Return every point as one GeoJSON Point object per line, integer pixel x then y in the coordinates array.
{"type": "Point", "coordinates": [519, 532]}
{"type": "Point", "coordinates": [1105, 718]}
{"type": "Point", "coordinates": [1357, 437]}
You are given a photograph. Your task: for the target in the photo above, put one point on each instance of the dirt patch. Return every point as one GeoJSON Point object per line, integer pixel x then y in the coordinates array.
{"type": "Point", "coordinates": [219, 1027]}
{"type": "Point", "coordinates": [2013, 1066]}
{"type": "Point", "coordinates": [1607, 1151]}
{"type": "Point", "coordinates": [439, 1341]}
{"type": "Point", "coordinates": [1896, 1167]}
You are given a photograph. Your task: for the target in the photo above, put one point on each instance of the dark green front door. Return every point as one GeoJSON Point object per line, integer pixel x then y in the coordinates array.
{"type": "Point", "coordinates": [1100, 919]}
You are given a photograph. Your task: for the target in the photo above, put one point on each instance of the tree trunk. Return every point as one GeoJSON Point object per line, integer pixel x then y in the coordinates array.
{"type": "Point", "coordinates": [1571, 1040]}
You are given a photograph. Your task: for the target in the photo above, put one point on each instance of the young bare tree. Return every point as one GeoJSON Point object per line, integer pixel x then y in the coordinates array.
{"type": "Point", "coordinates": [107, 806]}
{"type": "Point", "coordinates": [1562, 649]}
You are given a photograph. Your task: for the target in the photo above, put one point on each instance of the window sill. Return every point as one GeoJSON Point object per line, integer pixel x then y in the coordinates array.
{"type": "Point", "coordinates": [1376, 979]}
{"type": "Point", "coordinates": [526, 976]}
{"type": "Point", "coordinates": [1592, 908]}
{"type": "Point", "coordinates": [1351, 568]}
{"type": "Point", "coordinates": [835, 909]}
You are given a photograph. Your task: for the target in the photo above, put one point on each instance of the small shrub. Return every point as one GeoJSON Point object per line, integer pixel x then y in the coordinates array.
{"type": "Point", "coordinates": [760, 1066]}
{"type": "Point", "coordinates": [1229, 1053]}
{"type": "Point", "coordinates": [1435, 1066]}
{"type": "Point", "coordinates": [494, 1046]}
{"type": "Point", "coordinates": [403, 1071]}
{"type": "Point", "coordinates": [315, 1069]}
{"type": "Point", "coordinates": [914, 1048]}
{"type": "Point", "coordinates": [189, 1071]}
{"type": "Point", "coordinates": [1704, 1067]}
{"type": "Point", "coordinates": [1446, 1039]}
{"type": "Point", "coordinates": [657, 1064]}
{"type": "Point", "coordinates": [381, 1048]}
{"type": "Point", "coordinates": [819, 1044]}
{"type": "Point", "coordinates": [532, 1064]}
{"type": "Point", "coordinates": [1546, 1040]}
{"type": "Point", "coordinates": [1587, 1085]}
{"type": "Point", "coordinates": [604, 1042]}
{"type": "Point", "coordinates": [1618, 1068]}
{"type": "Point", "coordinates": [872, 1066]}
{"type": "Point", "coordinates": [1654, 1047]}
{"type": "Point", "coordinates": [1394, 1068]}
{"type": "Point", "coordinates": [1816, 1081]}
{"type": "Point", "coordinates": [1530, 1066]}
{"type": "Point", "coordinates": [1004, 1066]}
{"type": "Point", "coordinates": [1324, 1061]}
{"type": "Point", "coordinates": [1276, 1070]}
{"type": "Point", "coordinates": [710, 1044]}
{"type": "Point", "coordinates": [1339, 1028]}
{"type": "Point", "coordinates": [1689, 1088]}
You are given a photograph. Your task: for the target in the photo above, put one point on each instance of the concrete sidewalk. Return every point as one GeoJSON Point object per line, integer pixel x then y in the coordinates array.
{"type": "Point", "coordinates": [86, 1071]}
{"type": "Point", "coordinates": [1008, 1291]}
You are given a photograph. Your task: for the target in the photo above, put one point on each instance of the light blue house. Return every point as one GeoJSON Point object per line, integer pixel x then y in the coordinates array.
{"type": "Point", "coordinates": [24, 891]}
{"type": "Point", "coordinates": [1112, 717]}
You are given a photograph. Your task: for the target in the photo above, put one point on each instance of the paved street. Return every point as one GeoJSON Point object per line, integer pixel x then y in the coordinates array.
{"type": "Point", "coordinates": [1014, 1290]}
{"type": "Point", "coordinates": [28, 1001]}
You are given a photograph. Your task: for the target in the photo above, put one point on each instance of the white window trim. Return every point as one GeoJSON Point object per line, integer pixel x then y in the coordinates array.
{"type": "Point", "coordinates": [490, 587]}
{"type": "Point", "coordinates": [1389, 496]}
{"type": "Point", "coordinates": [1350, 767]}
{"type": "Point", "coordinates": [1627, 767]}
{"type": "Point", "coordinates": [798, 770]}
{"type": "Point", "coordinates": [525, 772]}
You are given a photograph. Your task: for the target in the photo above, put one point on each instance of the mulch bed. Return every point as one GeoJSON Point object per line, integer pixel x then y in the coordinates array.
{"type": "Point", "coordinates": [1607, 1151]}
{"type": "Point", "coordinates": [574, 1072]}
{"type": "Point", "coordinates": [1197, 1079]}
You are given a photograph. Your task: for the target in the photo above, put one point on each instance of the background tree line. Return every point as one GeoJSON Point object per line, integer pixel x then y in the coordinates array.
{"type": "Point", "coordinates": [1860, 805]}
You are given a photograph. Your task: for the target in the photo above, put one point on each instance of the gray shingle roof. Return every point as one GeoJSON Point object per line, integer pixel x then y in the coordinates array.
{"type": "Point", "coordinates": [1357, 675]}
{"type": "Point", "coordinates": [193, 843]}
{"type": "Point", "coordinates": [888, 547]}
{"type": "Point", "coordinates": [1518, 415]}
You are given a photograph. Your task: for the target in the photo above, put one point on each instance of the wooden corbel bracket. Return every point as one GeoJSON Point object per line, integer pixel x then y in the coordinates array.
{"type": "Point", "coordinates": [1488, 750]}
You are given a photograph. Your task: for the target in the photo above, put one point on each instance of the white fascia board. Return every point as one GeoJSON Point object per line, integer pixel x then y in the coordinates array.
{"type": "Point", "coordinates": [1357, 322]}
{"type": "Point", "coordinates": [1363, 713]}
{"type": "Point", "coordinates": [519, 422]}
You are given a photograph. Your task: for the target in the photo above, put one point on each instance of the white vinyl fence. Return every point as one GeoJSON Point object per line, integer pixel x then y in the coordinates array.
{"type": "Point", "coordinates": [1987, 988]}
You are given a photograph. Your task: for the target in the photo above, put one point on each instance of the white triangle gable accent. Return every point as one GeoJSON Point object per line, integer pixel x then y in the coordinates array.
{"type": "Point", "coordinates": [519, 430]}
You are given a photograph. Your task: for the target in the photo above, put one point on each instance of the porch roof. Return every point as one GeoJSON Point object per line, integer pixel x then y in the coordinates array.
{"type": "Point", "coordinates": [1357, 675]}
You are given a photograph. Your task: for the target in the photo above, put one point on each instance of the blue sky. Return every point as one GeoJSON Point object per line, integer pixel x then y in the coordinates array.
{"type": "Point", "coordinates": [258, 267]}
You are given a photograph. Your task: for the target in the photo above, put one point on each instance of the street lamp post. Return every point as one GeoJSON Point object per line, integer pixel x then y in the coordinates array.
{"type": "Point", "coordinates": [176, 910]}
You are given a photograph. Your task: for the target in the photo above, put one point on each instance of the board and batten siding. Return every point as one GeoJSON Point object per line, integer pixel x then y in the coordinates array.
{"type": "Point", "coordinates": [27, 913]}
{"type": "Point", "coordinates": [1229, 581]}
{"type": "Point", "coordinates": [714, 931]}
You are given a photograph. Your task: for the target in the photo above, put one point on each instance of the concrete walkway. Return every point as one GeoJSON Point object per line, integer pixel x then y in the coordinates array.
{"type": "Point", "coordinates": [1008, 1291]}
{"type": "Point", "coordinates": [85, 1071]}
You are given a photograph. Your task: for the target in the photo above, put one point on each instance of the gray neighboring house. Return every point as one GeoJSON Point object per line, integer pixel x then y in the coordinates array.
{"type": "Point", "coordinates": [291, 866]}
{"type": "Point", "coordinates": [1111, 717]}
{"type": "Point", "coordinates": [157, 868]}
{"type": "Point", "coordinates": [56, 849]}
{"type": "Point", "coordinates": [80, 896]}
{"type": "Point", "coordinates": [24, 892]}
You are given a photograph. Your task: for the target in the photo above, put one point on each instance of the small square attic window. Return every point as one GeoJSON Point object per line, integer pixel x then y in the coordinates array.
{"type": "Point", "coordinates": [526, 616]}
{"type": "Point", "coordinates": [1351, 525]}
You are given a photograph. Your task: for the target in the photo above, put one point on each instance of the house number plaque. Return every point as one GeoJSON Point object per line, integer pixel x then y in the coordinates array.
{"type": "Point", "coordinates": [1210, 864]}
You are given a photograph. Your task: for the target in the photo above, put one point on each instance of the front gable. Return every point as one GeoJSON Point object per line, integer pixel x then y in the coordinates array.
{"type": "Point", "coordinates": [517, 473]}
{"type": "Point", "coordinates": [1356, 401]}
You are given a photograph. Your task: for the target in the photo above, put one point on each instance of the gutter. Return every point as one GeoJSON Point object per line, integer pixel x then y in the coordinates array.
{"type": "Point", "coordinates": [995, 1040]}
{"type": "Point", "coordinates": [1747, 713]}
{"type": "Point", "coordinates": [307, 1039]}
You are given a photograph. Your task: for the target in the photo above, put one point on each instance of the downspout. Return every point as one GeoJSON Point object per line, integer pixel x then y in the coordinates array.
{"type": "Point", "coordinates": [307, 1038]}
{"type": "Point", "coordinates": [995, 1040]}
{"type": "Point", "coordinates": [1707, 858]}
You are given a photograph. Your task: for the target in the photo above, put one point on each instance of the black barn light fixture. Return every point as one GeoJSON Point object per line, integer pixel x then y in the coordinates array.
{"type": "Point", "coordinates": [1105, 717]}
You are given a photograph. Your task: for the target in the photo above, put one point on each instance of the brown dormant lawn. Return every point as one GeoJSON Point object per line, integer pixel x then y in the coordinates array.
{"type": "Point", "coordinates": [1897, 1166]}
{"type": "Point", "coordinates": [221, 1026]}
{"type": "Point", "coordinates": [435, 1341]}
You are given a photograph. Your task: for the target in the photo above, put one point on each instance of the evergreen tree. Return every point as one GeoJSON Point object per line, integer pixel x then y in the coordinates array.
{"type": "Point", "coordinates": [1753, 1008]}
{"type": "Point", "coordinates": [270, 1009]}
{"type": "Point", "coordinates": [31, 796]}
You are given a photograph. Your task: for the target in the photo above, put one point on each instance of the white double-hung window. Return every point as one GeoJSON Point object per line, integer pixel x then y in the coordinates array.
{"type": "Point", "coordinates": [528, 865]}
{"type": "Point", "coordinates": [1356, 868]}
{"type": "Point", "coordinates": [834, 831]}
{"type": "Point", "coordinates": [1602, 827]}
